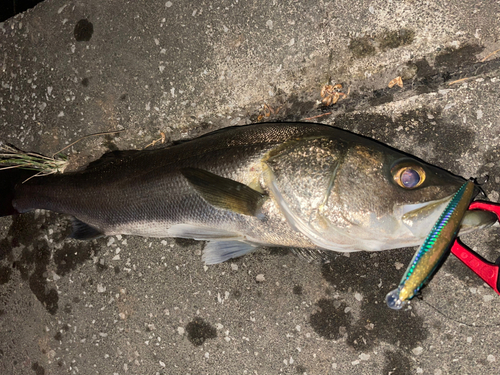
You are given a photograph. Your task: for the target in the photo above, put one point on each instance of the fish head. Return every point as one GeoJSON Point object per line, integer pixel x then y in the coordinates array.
{"type": "Point", "coordinates": [352, 193]}
{"type": "Point", "coordinates": [383, 198]}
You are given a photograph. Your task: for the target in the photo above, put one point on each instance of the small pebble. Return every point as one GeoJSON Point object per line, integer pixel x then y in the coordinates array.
{"type": "Point", "coordinates": [488, 297]}
{"type": "Point", "coordinates": [418, 350]}
{"type": "Point", "coordinates": [364, 357]}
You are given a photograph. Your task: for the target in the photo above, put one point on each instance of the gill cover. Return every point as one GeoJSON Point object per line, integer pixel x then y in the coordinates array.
{"type": "Point", "coordinates": [300, 176]}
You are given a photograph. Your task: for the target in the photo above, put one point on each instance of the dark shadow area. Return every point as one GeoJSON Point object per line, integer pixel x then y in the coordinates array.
{"type": "Point", "coordinates": [10, 8]}
{"type": "Point", "coordinates": [27, 232]}
{"type": "Point", "coordinates": [372, 275]}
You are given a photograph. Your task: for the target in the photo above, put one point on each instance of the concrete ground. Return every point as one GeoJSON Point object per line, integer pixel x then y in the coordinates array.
{"type": "Point", "coordinates": [128, 305]}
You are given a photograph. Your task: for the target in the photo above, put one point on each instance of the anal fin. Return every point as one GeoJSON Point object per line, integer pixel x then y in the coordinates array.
{"type": "Point", "coordinates": [84, 231]}
{"type": "Point", "coordinates": [220, 251]}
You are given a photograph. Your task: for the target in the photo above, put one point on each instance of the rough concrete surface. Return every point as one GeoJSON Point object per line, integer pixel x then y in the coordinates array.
{"type": "Point", "coordinates": [127, 305]}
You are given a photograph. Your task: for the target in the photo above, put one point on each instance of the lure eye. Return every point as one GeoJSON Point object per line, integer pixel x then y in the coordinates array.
{"type": "Point", "coordinates": [409, 176]}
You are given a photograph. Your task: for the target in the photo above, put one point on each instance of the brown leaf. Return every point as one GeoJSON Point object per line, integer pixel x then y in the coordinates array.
{"type": "Point", "coordinates": [396, 81]}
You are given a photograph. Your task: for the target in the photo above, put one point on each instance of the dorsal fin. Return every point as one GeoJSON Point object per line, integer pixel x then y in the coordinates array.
{"type": "Point", "coordinates": [112, 157]}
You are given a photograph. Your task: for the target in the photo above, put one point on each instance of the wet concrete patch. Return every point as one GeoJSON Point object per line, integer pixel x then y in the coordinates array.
{"type": "Point", "coordinates": [331, 320]}
{"type": "Point", "coordinates": [452, 59]}
{"type": "Point", "coordinates": [396, 38]}
{"type": "Point", "coordinates": [301, 104]}
{"type": "Point", "coordinates": [300, 369]}
{"type": "Point", "coordinates": [397, 363]}
{"type": "Point", "coordinates": [368, 45]}
{"type": "Point", "coordinates": [28, 233]}
{"type": "Point", "coordinates": [278, 251]}
{"type": "Point", "coordinates": [198, 331]}
{"type": "Point", "coordinates": [372, 276]}
{"type": "Point", "coordinates": [71, 256]}
{"type": "Point", "coordinates": [5, 249]}
{"type": "Point", "coordinates": [419, 77]}
{"type": "Point", "coordinates": [185, 242]}
{"type": "Point", "coordinates": [83, 30]}
{"type": "Point", "coordinates": [362, 47]}
{"type": "Point", "coordinates": [236, 294]}
{"type": "Point", "coordinates": [423, 68]}
{"type": "Point", "coordinates": [490, 167]}
{"type": "Point", "coordinates": [39, 370]}
{"type": "Point", "coordinates": [297, 290]}
{"type": "Point", "coordinates": [5, 273]}
{"type": "Point", "coordinates": [380, 97]}
{"type": "Point", "coordinates": [32, 265]}
{"type": "Point", "coordinates": [426, 76]}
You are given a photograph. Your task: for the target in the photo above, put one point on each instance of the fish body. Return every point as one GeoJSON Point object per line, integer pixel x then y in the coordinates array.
{"type": "Point", "coordinates": [279, 184]}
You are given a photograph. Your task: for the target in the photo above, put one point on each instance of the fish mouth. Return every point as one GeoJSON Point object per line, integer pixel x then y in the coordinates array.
{"type": "Point", "coordinates": [420, 218]}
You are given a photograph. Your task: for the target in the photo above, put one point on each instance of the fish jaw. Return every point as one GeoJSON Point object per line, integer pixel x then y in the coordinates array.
{"type": "Point", "coordinates": [420, 218]}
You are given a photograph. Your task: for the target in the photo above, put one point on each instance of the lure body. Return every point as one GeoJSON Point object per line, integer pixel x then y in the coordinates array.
{"type": "Point", "coordinates": [435, 246]}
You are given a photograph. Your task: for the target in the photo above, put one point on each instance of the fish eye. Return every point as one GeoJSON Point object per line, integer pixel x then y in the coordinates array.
{"type": "Point", "coordinates": [408, 176]}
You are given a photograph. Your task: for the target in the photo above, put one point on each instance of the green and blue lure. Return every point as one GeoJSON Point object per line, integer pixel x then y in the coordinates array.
{"type": "Point", "coordinates": [435, 246]}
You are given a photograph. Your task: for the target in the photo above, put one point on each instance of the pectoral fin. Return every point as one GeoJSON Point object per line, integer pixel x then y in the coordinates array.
{"type": "Point", "coordinates": [225, 193]}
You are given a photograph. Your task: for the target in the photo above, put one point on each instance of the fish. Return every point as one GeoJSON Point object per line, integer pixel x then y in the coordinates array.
{"type": "Point", "coordinates": [434, 249]}
{"type": "Point", "coordinates": [297, 185]}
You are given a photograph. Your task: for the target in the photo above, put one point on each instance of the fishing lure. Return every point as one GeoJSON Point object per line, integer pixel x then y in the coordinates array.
{"type": "Point", "coordinates": [435, 246]}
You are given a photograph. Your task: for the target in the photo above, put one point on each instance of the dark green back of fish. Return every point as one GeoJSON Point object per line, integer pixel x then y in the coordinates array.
{"type": "Point", "coordinates": [126, 186]}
